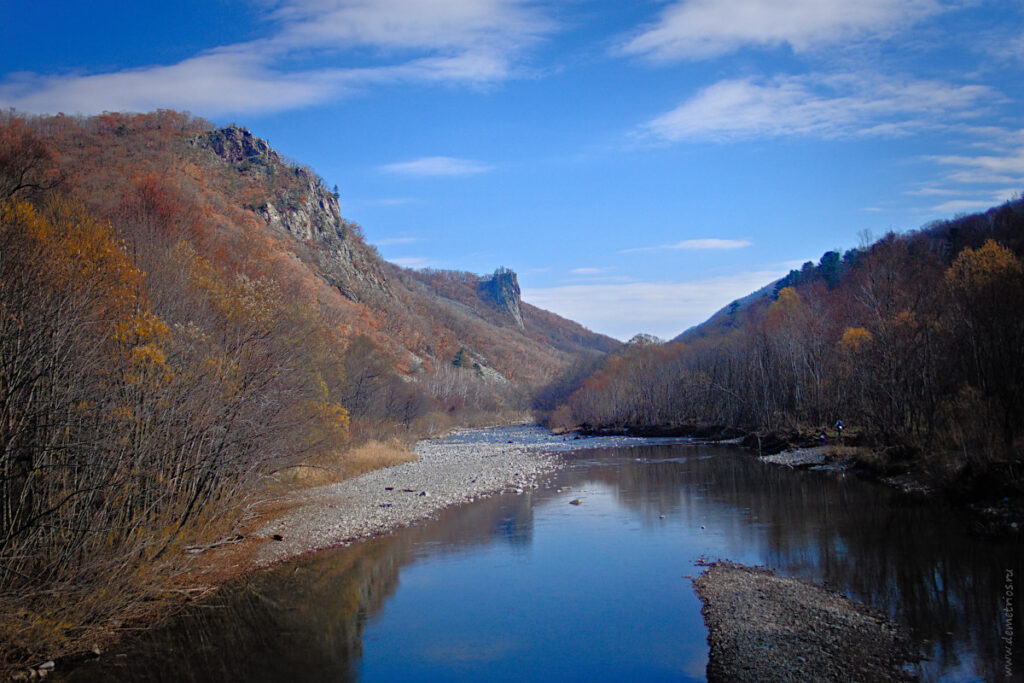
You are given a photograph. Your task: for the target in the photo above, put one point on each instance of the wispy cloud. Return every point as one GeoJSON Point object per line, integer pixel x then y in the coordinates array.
{"type": "Point", "coordinates": [450, 41]}
{"type": "Point", "coordinates": [412, 262]}
{"type": "Point", "coordinates": [986, 168]}
{"type": "Point", "coordinates": [979, 200]}
{"type": "Point", "coordinates": [694, 245]}
{"type": "Point", "coordinates": [700, 29]}
{"type": "Point", "coordinates": [437, 166]}
{"type": "Point", "coordinates": [978, 181]}
{"type": "Point", "coordinates": [589, 271]}
{"type": "Point", "coordinates": [820, 105]}
{"type": "Point", "coordinates": [210, 83]}
{"type": "Point", "coordinates": [661, 308]}
{"type": "Point", "coordinates": [456, 25]}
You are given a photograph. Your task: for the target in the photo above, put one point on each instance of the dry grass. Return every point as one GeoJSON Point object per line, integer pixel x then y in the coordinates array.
{"type": "Point", "coordinates": [341, 465]}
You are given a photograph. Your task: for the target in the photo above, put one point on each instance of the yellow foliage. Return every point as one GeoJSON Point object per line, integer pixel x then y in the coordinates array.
{"type": "Point", "coordinates": [332, 417]}
{"type": "Point", "coordinates": [81, 252]}
{"type": "Point", "coordinates": [143, 328]}
{"type": "Point", "coordinates": [983, 269]}
{"type": "Point", "coordinates": [141, 339]}
{"type": "Point", "coordinates": [239, 299]}
{"type": "Point", "coordinates": [854, 339]}
{"type": "Point", "coordinates": [785, 306]}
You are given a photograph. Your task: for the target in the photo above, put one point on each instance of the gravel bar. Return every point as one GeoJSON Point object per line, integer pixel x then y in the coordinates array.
{"type": "Point", "coordinates": [455, 469]}
{"type": "Point", "coordinates": [458, 468]}
{"type": "Point", "coordinates": [763, 627]}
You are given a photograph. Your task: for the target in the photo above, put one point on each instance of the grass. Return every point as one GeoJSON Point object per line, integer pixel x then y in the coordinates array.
{"type": "Point", "coordinates": [341, 465]}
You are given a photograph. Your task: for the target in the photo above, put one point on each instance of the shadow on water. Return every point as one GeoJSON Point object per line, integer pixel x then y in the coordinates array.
{"type": "Point", "coordinates": [520, 585]}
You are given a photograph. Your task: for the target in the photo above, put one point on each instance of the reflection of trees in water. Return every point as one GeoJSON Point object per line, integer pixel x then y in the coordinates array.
{"type": "Point", "coordinates": [917, 561]}
{"type": "Point", "coordinates": [499, 518]}
{"type": "Point", "coordinates": [305, 620]}
{"type": "Point", "coordinates": [302, 620]}
{"type": "Point", "coordinates": [293, 622]}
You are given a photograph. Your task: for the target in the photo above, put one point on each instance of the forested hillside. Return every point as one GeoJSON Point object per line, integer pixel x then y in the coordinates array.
{"type": "Point", "coordinates": [915, 341]}
{"type": "Point", "coordinates": [182, 312]}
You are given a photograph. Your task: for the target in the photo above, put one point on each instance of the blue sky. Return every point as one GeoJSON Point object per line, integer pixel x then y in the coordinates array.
{"type": "Point", "coordinates": [639, 164]}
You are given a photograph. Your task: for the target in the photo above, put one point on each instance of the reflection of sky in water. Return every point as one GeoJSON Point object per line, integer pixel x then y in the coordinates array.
{"type": "Point", "coordinates": [599, 589]}
{"type": "Point", "coordinates": [578, 603]}
{"type": "Point", "coordinates": [529, 587]}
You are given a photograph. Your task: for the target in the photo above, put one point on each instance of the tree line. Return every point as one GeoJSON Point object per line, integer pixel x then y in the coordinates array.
{"type": "Point", "coordinates": [915, 341]}
{"type": "Point", "coordinates": [161, 353]}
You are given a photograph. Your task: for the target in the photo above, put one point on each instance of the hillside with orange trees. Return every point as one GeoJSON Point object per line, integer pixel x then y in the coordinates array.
{"type": "Point", "coordinates": [914, 341]}
{"type": "Point", "coordinates": [182, 312]}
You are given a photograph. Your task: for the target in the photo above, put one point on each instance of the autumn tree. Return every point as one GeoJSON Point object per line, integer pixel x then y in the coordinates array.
{"type": "Point", "coordinates": [986, 288]}
{"type": "Point", "coordinates": [27, 165]}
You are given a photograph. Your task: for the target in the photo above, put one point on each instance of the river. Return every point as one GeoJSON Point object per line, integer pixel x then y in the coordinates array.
{"type": "Point", "coordinates": [524, 587]}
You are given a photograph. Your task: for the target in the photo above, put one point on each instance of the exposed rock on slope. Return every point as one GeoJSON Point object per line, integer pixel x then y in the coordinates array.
{"type": "Point", "coordinates": [422, 317]}
{"type": "Point", "coordinates": [503, 289]}
{"type": "Point", "coordinates": [306, 210]}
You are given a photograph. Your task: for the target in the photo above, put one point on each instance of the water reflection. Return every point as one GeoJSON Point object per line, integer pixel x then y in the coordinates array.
{"type": "Point", "coordinates": [525, 584]}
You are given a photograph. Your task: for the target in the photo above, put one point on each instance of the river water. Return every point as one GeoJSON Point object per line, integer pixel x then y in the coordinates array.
{"type": "Point", "coordinates": [531, 587]}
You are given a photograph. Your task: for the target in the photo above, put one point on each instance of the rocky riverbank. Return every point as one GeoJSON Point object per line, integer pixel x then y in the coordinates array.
{"type": "Point", "coordinates": [765, 627]}
{"type": "Point", "coordinates": [457, 469]}
{"type": "Point", "coordinates": [461, 467]}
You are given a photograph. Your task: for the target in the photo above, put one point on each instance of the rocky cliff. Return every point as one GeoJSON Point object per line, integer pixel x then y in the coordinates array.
{"type": "Point", "coordinates": [502, 289]}
{"type": "Point", "coordinates": [298, 204]}
{"type": "Point", "coordinates": [418, 315]}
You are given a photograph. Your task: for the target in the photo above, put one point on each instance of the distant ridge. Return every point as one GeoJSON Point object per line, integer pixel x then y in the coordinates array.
{"type": "Point", "coordinates": [729, 317]}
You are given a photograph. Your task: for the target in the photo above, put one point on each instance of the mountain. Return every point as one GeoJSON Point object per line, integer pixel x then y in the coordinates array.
{"type": "Point", "coordinates": [945, 239]}
{"type": "Point", "coordinates": [241, 202]}
{"type": "Point", "coordinates": [430, 315]}
{"type": "Point", "coordinates": [730, 317]}
{"type": "Point", "coordinates": [185, 317]}
{"type": "Point", "coordinates": [914, 341]}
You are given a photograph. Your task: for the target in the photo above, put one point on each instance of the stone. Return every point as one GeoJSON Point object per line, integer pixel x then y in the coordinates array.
{"type": "Point", "coordinates": [503, 289]}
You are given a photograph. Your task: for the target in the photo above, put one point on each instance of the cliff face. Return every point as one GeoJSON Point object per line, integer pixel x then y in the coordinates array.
{"type": "Point", "coordinates": [502, 290]}
{"type": "Point", "coordinates": [419, 316]}
{"type": "Point", "coordinates": [298, 204]}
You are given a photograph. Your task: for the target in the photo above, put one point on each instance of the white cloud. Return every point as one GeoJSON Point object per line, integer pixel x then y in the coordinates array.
{"type": "Point", "coordinates": [697, 29]}
{"type": "Point", "coordinates": [982, 200]}
{"type": "Point", "coordinates": [412, 262]}
{"type": "Point", "coordinates": [986, 168]}
{"type": "Point", "coordinates": [589, 271]}
{"type": "Point", "coordinates": [212, 83]}
{"type": "Point", "coordinates": [979, 181]}
{"type": "Point", "coordinates": [437, 166]}
{"type": "Point", "coordinates": [928, 191]}
{"type": "Point", "coordinates": [449, 41]}
{"type": "Point", "coordinates": [661, 308]}
{"type": "Point", "coordinates": [695, 245]}
{"type": "Point", "coordinates": [412, 24]}
{"type": "Point", "coordinates": [821, 105]}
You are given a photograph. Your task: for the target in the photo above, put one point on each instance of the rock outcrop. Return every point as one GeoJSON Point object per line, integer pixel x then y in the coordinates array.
{"type": "Point", "coordinates": [301, 206]}
{"type": "Point", "coordinates": [502, 289]}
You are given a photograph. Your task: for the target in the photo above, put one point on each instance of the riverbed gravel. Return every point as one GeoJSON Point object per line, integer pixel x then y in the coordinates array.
{"type": "Point", "coordinates": [458, 468]}
{"type": "Point", "coordinates": [764, 627]}
{"type": "Point", "coordinates": [446, 472]}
